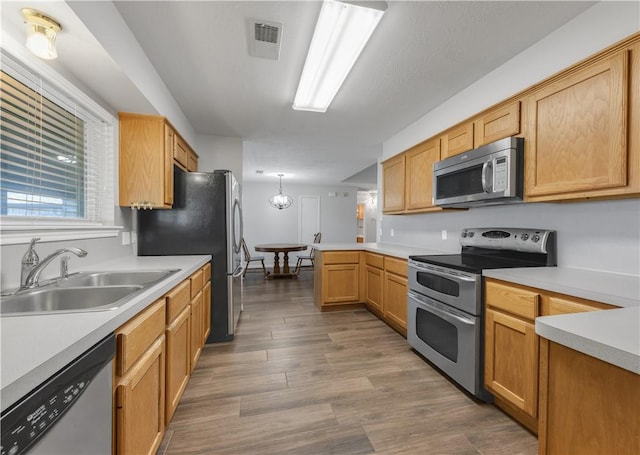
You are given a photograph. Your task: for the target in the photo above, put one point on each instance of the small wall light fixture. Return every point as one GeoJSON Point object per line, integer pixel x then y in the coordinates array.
{"type": "Point", "coordinates": [41, 36]}
{"type": "Point", "coordinates": [280, 201]}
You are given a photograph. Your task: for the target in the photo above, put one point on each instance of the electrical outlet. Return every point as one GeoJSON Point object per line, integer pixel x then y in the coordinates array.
{"type": "Point", "coordinates": [126, 238]}
{"type": "Point", "coordinates": [392, 232]}
{"type": "Point", "coordinates": [134, 237]}
{"type": "Point", "coordinates": [444, 234]}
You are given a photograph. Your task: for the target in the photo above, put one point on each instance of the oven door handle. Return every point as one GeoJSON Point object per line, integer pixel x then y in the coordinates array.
{"type": "Point", "coordinates": [447, 316]}
{"type": "Point", "coordinates": [444, 274]}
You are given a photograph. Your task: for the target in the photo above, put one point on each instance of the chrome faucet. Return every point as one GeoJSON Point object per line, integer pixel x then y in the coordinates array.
{"type": "Point", "coordinates": [32, 266]}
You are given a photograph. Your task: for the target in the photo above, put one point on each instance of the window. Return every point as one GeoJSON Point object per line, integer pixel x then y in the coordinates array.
{"type": "Point", "coordinates": [57, 148]}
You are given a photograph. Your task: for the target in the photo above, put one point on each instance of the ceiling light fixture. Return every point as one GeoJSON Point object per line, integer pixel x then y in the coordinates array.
{"type": "Point", "coordinates": [41, 36]}
{"type": "Point", "coordinates": [341, 33]}
{"type": "Point", "coordinates": [280, 201]}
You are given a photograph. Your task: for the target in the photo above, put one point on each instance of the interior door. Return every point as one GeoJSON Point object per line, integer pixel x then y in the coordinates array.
{"type": "Point", "coordinates": [309, 222]}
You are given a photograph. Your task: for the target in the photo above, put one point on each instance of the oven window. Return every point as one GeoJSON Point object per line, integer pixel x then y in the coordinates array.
{"type": "Point", "coordinates": [460, 183]}
{"type": "Point", "coordinates": [438, 284]}
{"type": "Point", "coordinates": [439, 334]}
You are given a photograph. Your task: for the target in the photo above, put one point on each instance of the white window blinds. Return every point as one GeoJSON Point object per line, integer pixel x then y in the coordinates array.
{"type": "Point", "coordinates": [57, 155]}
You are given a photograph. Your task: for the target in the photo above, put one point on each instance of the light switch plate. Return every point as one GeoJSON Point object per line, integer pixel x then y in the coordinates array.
{"type": "Point", "coordinates": [126, 237]}
{"type": "Point", "coordinates": [444, 234]}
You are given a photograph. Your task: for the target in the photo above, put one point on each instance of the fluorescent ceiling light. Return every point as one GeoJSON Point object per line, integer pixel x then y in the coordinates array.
{"type": "Point", "coordinates": [341, 33]}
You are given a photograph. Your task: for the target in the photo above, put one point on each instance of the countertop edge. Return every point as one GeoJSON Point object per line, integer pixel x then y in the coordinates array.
{"type": "Point", "coordinates": [561, 329]}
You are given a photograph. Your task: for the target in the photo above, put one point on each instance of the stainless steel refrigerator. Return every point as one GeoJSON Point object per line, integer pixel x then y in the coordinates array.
{"type": "Point", "coordinates": [206, 218]}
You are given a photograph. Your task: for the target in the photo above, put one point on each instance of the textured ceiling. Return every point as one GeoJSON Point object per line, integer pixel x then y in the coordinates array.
{"type": "Point", "coordinates": [421, 54]}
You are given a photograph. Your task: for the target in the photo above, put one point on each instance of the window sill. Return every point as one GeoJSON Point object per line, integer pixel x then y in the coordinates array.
{"type": "Point", "coordinates": [15, 234]}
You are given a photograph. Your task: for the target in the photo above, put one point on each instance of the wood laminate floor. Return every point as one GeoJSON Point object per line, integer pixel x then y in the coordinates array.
{"type": "Point", "coordinates": [297, 381]}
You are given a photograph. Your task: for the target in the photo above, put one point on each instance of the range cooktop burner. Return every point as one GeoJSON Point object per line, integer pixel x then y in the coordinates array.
{"type": "Point", "coordinates": [498, 248]}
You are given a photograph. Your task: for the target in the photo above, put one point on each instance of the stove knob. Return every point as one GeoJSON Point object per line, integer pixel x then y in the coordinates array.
{"type": "Point", "coordinates": [464, 235]}
{"type": "Point", "coordinates": [471, 234]}
{"type": "Point", "coordinates": [535, 237]}
{"type": "Point", "coordinates": [524, 236]}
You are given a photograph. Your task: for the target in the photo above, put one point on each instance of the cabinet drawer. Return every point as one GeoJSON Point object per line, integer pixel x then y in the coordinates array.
{"type": "Point", "coordinates": [196, 282]}
{"type": "Point", "coordinates": [397, 266]}
{"type": "Point", "coordinates": [207, 273]}
{"type": "Point", "coordinates": [135, 337]}
{"type": "Point", "coordinates": [519, 302]}
{"type": "Point", "coordinates": [374, 260]}
{"type": "Point", "coordinates": [559, 305]}
{"type": "Point", "coordinates": [341, 257]}
{"type": "Point", "coordinates": [177, 299]}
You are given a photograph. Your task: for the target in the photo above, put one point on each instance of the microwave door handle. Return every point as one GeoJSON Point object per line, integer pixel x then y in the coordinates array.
{"type": "Point", "coordinates": [443, 314]}
{"type": "Point", "coordinates": [485, 180]}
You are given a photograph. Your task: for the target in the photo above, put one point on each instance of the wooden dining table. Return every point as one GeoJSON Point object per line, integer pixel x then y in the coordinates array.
{"type": "Point", "coordinates": [276, 249]}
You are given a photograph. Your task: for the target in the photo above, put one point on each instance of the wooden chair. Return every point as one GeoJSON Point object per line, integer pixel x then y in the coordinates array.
{"type": "Point", "coordinates": [309, 257]}
{"type": "Point", "coordinates": [249, 258]}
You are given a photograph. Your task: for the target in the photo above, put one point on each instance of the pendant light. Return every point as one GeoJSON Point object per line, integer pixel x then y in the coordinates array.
{"type": "Point", "coordinates": [280, 201]}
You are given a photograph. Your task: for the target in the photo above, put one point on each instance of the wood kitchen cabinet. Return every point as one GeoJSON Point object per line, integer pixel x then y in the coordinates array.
{"type": "Point", "coordinates": [178, 337]}
{"type": "Point", "coordinates": [206, 296]}
{"type": "Point", "coordinates": [587, 406]}
{"type": "Point", "coordinates": [419, 162]}
{"type": "Point", "coordinates": [197, 316]}
{"type": "Point", "coordinates": [149, 147]}
{"type": "Point", "coordinates": [395, 293]}
{"type": "Point", "coordinates": [458, 139]}
{"type": "Point", "coordinates": [497, 123]}
{"type": "Point", "coordinates": [393, 184]}
{"type": "Point", "coordinates": [139, 382]}
{"type": "Point", "coordinates": [577, 142]}
{"type": "Point", "coordinates": [374, 282]}
{"type": "Point", "coordinates": [336, 278]}
{"type": "Point", "coordinates": [512, 348]}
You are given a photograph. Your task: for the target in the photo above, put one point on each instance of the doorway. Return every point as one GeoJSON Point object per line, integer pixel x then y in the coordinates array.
{"type": "Point", "coordinates": [309, 218]}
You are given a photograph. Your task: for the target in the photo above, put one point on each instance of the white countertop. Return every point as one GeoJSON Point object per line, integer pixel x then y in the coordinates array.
{"type": "Point", "coordinates": [400, 251]}
{"type": "Point", "coordinates": [612, 336]}
{"type": "Point", "coordinates": [35, 347]}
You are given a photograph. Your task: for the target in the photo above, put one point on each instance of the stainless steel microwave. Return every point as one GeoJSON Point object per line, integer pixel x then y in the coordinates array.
{"type": "Point", "coordinates": [489, 175]}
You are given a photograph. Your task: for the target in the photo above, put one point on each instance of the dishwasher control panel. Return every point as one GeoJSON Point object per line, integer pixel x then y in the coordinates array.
{"type": "Point", "coordinates": [28, 420]}
{"type": "Point", "coordinates": [37, 419]}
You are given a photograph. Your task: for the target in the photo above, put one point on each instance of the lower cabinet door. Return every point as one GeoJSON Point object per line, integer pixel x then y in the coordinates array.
{"type": "Point", "coordinates": [374, 288]}
{"type": "Point", "coordinates": [206, 302]}
{"type": "Point", "coordinates": [197, 314]}
{"type": "Point", "coordinates": [340, 283]}
{"type": "Point", "coordinates": [178, 360]}
{"type": "Point", "coordinates": [511, 360]}
{"type": "Point", "coordinates": [395, 299]}
{"type": "Point", "coordinates": [140, 404]}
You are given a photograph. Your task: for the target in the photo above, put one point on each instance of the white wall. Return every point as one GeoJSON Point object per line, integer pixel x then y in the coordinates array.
{"type": "Point", "coordinates": [264, 224]}
{"type": "Point", "coordinates": [593, 235]}
{"type": "Point", "coordinates": [217, 152]}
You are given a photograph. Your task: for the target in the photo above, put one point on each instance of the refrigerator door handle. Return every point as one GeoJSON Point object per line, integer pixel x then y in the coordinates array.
{"type": "Point", "coordinates": [238, 273]}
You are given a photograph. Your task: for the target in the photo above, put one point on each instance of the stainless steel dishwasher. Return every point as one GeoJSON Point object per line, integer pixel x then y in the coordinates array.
{"type": "Point", "coordinates": [69, 413]}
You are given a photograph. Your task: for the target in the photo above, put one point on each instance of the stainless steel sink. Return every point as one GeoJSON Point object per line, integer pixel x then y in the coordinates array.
{"type": "Point", "coordinates": [80, 292]}
{"type": "Point", "coordinates": [120, 278]}
{"type": "Point", "coordinates": [65, 300]}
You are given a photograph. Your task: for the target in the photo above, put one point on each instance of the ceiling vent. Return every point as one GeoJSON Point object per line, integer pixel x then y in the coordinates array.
{"type": "Point", "coordinates": [264, 39]}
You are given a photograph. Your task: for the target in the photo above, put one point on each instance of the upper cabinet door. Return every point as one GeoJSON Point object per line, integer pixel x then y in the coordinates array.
{"type": "Point", "coordinates": [577, 132]}
{"type": "Point", "coordinates": [457, 140]}
{"type": "Point", "coordinates": [498, 124]}
{"type": "Point", "coordinates": [393, 184]}
{"type": "Point", "coordinates": [419, 174]}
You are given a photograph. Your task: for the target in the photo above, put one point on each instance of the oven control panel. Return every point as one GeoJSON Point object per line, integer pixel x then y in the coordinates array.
{"type": "Point", "coordinates": [516, 239]}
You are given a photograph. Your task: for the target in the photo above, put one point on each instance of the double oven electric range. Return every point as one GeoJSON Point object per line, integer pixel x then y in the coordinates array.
{"type": "Point", "coordinates": [445, 313]}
